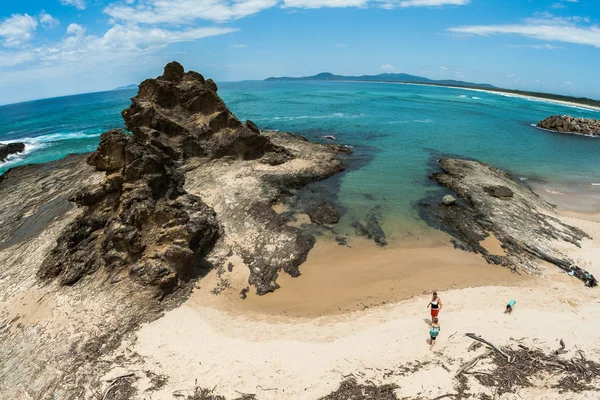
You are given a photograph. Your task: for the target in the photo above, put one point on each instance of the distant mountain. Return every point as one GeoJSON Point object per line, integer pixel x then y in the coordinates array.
{"type": "Point", "coordinates": [387, 77]}
{"type": "Point", "coordinates": [128, 87]}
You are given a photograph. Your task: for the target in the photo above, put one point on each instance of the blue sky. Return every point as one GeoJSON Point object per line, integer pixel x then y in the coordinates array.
{"type": "Point", "coordinates": [57, 47]}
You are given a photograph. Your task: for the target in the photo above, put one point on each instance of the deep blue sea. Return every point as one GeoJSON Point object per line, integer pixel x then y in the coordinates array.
{"type": "Point", "coordinates": [396, 130]}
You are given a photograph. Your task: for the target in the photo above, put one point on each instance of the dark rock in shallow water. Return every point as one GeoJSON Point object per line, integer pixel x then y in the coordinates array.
{"type": "Point", "coordinates": [10, 148]}
{"type": "Point", "coordinates": [494, 202]}
{"type": "Point", "coordinates": [371, 229]}
{"type": "Point", "coordinates": [568, 124]}
{"type": "Point", "coordinates": [324, 213]}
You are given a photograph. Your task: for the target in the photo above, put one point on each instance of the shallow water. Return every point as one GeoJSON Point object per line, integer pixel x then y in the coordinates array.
{"type": "Point", "coordinates": [397, 130]}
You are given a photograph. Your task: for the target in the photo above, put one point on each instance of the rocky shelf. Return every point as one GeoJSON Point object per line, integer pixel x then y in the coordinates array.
{"type": "Point", "coordinates": [568, 124]}
{"type": "Point", "coordinates": [490, 201]}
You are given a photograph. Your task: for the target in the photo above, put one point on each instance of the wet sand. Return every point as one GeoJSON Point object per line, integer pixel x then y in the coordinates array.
{"type": "Point", "coordinates": [339, 279]}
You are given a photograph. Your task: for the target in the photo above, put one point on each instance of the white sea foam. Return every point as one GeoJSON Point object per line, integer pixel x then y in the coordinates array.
{"type": "Point", "coordinates": [595, 184]}
{"type": "Point", "coordinates": [408, 121]}
{"type": "Point", "coordinates": [463, 96]}
{"type": "Point", "coordinates": [329, 116]}
{"type": "Point", "coordinates": [476, 98]}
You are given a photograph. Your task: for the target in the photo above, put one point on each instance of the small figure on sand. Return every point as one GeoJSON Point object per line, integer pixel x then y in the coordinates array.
{"type": "Point", "coordinates": [434, 332]}
{"type": "Point", "coordinates": [509, 307]}
{"type": "Point", "coordinates": [436, 305]}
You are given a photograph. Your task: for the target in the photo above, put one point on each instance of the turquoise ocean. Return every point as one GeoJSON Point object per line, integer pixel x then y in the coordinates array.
{"type": "Point", "coordinates": [395, 130]}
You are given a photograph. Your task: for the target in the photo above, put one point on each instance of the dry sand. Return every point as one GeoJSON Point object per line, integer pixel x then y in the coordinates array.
{"type": "Point", "coordinates": [299, 342]}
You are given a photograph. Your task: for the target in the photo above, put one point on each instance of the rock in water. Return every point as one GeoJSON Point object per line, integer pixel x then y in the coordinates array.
{"type": "Point", "coordinates": [448, 200]}
{"type": "Point", "coordinates": [495, 202]}
{"type": "Point", "coordinates": [10, 148]}
{"type": "Point", "coordinates": [568, 124]}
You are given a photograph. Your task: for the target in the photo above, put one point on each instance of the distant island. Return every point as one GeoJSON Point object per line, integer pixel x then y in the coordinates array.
{"type": "Point", "coordinates": [406, 78]}
{"type": "Point", "coordinates": [128, 87]}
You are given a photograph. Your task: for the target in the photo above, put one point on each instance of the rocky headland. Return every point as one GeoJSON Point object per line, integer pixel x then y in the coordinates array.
{"type": "Point", "coordinates": [103, 242]}
{"type": "Point", "coordinates": [490, 201]}
{"type": "Point", "coordinates": [568, 124]}
{"type": "Point", "coordinates": [10, 148]}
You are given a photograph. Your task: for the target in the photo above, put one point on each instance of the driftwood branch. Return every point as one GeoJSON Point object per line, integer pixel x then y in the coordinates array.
{"type": "Point", "coordinates": [561, 349]}
{"type": "Point", "coordinates": [112, 384]}
{"type": "Point", "coordinates": [472, 363]}
{"type": "Point", "coordinates": [482, 340]}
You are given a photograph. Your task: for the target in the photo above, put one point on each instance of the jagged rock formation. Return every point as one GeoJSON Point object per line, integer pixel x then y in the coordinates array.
{"type": "Point", "coordinates": [491, 201]}
{"type": "Point", "coordinates": [10, 148]}
{"type": "Point", "coordinates": [568, 124]}
{"type": "Point", "coordinates": [141, 222]}
{"type": "Point", "coordinates": [182, 115]}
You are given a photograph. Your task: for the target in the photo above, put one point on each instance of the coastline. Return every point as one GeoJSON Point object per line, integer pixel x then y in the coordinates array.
{"type": "Point", "coordinates": [282, 355]}
{"type": "Point", "coordinates": [505, 94]}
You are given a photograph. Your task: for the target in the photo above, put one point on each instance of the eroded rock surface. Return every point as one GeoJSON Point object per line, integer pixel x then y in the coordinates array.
{"type": "Point", "coordinates": [491, 201]}
{"type": "Point", "coordinates": [568, 124]}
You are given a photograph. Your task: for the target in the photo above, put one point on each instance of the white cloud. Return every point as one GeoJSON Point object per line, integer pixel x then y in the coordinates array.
{"type": "Point", "coordinates": [568, 83]}
{"type": "Point", "coordinates": [17, 29]}
{"type": "Point", "coordinates": [16, 58]}
{"type": "Point", "coordinates": [388, 67]}
{"type": "Point", "coordinates": [239, 46]}
{"type": "Point", "coordinates": [48, 21]}
{"type": "Point", "coordinates": [324, 3]}
{"type": "Point", "coordinates": [186, 11]}
{"type": "Point", "coordinates": [543, 27]}
{"type": "Point", "coordinates": [78, 4]}
{"type": "Point", "coordinates": [534, 46]}
{"type": "Point", "coordinates": [433, 3]}
{"type": "Point", "coordinates": [561, 3]}
{"type": "Point", "coordinates": [75, 29]}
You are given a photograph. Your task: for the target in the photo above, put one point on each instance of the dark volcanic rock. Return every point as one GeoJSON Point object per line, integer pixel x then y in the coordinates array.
{"type": "Point", "coordinates": [324, 213]}
{"type": "Point", "coordinates": [252, 126]}
{"type": "Point", "coordinates": [182, 115]}
{"type": "Point", "coordinates": [10, 148]}
{"type": "Point", "coordinates": [492, 201]}
{"type": "Point", "coordinates": [371, 228]}
{"type": "Point", "coordinates": [568, 124]}
{"type": "Point", "coordinates": [140, 221]}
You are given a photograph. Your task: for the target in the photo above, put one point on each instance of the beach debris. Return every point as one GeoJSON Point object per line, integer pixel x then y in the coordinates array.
{"type": "Point", "coordinates": [350, 389]}
{"type": "Point", "coordinates": [561, 349]}
{"type": "Point", "coordinates": [113, 384]}
{"type": "Point", "coordinates": [482, 340]}
{"type": "Point", "coordinates": [568, 124]}
{"type": "Point", "coordinates": [448, 200]}
{"type": "Point", "coordinates": [467, 366]}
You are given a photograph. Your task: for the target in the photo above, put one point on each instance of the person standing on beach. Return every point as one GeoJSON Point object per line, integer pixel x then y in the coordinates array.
{"type": "Point", "coordinates": [436, 305]}
{"type": "Point", "coordinates": [434, 332]}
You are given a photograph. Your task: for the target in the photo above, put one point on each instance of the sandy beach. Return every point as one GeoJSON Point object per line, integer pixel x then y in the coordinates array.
{"type": "Point", "coordinates": [303, 340]}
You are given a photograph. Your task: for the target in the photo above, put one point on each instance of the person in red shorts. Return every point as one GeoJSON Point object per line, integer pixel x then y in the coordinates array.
{"type": "Point", "coordinates": [436, 305]}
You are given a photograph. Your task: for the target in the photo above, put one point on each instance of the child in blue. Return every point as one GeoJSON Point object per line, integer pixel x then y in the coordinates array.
{"type": "Point", "coordinates": [509, 306]}
{"type": "Point", "coordinates": [434, 331]}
